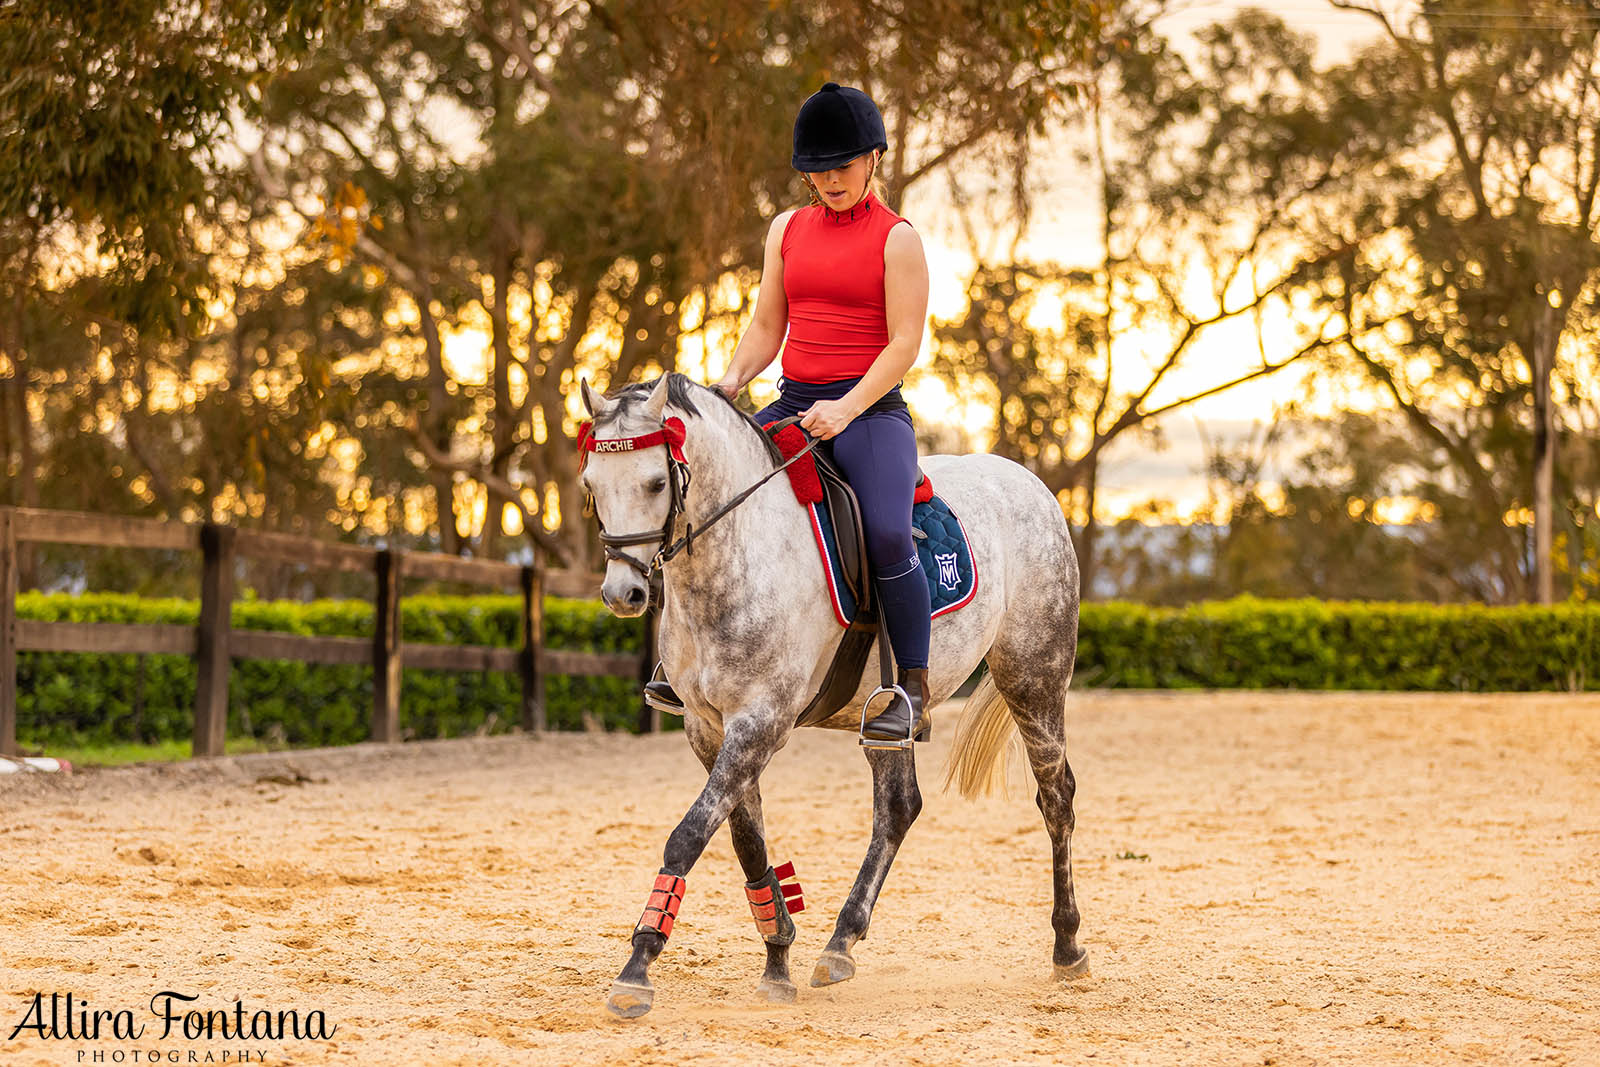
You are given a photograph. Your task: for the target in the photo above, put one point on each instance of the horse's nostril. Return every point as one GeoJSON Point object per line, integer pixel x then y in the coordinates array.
{"type": "Point", "coordinates": [635, 597]}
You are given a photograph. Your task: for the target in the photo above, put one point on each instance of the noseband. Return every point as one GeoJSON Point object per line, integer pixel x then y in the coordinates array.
{"type": "Point", "coordinates": [672, 434]}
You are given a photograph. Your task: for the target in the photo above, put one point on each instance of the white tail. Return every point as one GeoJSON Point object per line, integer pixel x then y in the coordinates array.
{"type": "Point", "coordinates": [977, 761]}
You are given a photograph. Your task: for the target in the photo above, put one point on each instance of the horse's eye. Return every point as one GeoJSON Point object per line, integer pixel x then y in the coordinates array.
{"type": "Point", "coordinates": [659, 485]}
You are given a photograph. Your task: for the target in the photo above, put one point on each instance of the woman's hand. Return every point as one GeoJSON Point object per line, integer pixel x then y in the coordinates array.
{"type": "Point", "coordinates": [729, 387]}
{"type": "Point", "coordinates": [828, 418]}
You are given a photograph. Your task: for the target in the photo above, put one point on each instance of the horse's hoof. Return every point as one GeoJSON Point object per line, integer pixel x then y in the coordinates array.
{"type": "Point", "coordinates": [776, 992]}
{"type": "Point", "coordinates": [833, 967]}
{"type": "Point", "coordinates": [1078, 968]}
{"type": "Point", "coordinates": [629, 1001]}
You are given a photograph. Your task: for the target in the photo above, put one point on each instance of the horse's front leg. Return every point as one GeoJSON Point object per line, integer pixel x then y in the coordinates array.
{"type": "Point", "coordinates": [749, 740]}
{"type": "Point", "coordinates": [746, 826]}
{"type": "Point", "coordinates": [896, 802]}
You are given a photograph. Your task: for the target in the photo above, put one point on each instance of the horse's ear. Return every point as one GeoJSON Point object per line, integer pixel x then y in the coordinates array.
{"type": "Point", "coordinates": [656, 405]}
{"type": "Point", "coordinates": [594, 403]}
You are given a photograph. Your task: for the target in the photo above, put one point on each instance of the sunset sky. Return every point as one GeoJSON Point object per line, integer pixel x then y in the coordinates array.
{"type": "Point", "coordinates": [1065, 230]}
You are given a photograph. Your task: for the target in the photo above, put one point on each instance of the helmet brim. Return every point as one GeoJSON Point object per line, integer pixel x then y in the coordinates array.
{"type": "Point", "coordinates": [815, 164]}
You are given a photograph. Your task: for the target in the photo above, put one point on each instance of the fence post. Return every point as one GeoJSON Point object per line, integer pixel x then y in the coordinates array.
{"type": "Point", "coordinates": [8, 633]}
{"type": "Point", "coordinates": [533, 715]}
{"type": "Point", "coordinates": [386, 648]}
{"type": "Point", "coordinates": [211, 654]}
{"type": "Point", "coordinates": [649, 717]}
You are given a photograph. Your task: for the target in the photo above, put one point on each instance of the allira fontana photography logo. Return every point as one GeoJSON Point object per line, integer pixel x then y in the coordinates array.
{"type": "Point", "coordinates": [170, 1016]}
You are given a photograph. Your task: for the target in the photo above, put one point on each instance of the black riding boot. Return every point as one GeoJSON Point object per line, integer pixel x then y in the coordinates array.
{"type": "Point", "coordinates": [894, 723]}
{"type": "Point", "coordinates": [661, 696]}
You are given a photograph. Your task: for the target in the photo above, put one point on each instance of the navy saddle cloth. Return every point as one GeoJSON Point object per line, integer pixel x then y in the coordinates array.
{"type": "Point", "coordinates": [943, 550]}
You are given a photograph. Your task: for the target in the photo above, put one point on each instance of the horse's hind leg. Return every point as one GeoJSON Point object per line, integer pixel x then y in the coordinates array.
{"type": "Point", "coordinates": [896, 803]}
{"type": "Point", "coordinates": [1034, 685]}
{"type": "Point", "coordinates": [748, 830]}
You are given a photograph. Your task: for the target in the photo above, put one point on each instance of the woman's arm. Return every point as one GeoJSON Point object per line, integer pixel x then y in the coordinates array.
{"type": "Point", "coordinates": [764, 336]}
{"type": "Point", "coordinates": [905, 299]}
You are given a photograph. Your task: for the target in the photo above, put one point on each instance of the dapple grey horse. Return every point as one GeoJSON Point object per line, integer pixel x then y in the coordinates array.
{"type": "Point", "coordinates": [747, 634]}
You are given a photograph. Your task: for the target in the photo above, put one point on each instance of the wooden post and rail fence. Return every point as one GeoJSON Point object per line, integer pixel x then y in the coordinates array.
{"type": "Point", "coordinates": [214, 643]}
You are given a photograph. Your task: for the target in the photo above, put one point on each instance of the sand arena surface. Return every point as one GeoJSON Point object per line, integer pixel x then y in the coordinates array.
{"type": "Point", "coordinates": [1308, 879]}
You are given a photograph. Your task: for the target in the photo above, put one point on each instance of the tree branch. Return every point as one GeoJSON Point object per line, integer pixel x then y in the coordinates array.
{"type": "Point", "coordinates": [515, 46]}
{"type": "Point", "coordinates": [532, 524]}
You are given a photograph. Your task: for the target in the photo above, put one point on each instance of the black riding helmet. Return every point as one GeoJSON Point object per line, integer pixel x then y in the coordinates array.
{"type": "Point", "coordinates": [835, 125]}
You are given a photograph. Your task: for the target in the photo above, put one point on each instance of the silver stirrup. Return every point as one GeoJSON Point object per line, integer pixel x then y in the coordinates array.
{"type": "Point", "coordinates": [879, 742]}
{"type": "Point", "coordinates": [650, 698]}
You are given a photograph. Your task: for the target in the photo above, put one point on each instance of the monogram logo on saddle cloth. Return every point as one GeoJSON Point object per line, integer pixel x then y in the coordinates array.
{"type": "Point", "coordinates": [947, 570]}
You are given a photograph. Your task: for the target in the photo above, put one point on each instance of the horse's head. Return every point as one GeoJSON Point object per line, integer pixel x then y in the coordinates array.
{"type": "Point", "coordinates": [633, 471]}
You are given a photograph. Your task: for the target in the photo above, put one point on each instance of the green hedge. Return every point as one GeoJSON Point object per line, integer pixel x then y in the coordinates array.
{"type": "Point", "coordinates": [1313, 644]}
{"type": "Point", "coordinates": [96, 699]}
{"type": "Point", "coordinates": [85, 699]}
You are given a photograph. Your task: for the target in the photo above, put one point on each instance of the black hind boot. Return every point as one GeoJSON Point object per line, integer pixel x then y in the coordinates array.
{"type": "Point", "coordinates": [894, 723]}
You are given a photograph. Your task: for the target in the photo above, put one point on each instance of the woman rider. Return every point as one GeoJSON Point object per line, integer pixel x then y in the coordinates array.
{"type": "Point", "coordinates": [847, 281]}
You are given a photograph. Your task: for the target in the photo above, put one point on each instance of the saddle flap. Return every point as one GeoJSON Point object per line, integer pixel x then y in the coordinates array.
{"type": "Point", "coordinates": [845, 512]}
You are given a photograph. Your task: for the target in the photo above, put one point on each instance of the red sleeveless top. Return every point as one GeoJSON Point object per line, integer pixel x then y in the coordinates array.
{"type": "Point", "coordinates": [833, 279]}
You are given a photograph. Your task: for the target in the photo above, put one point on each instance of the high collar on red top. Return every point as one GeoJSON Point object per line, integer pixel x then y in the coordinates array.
{"type": "Point", "coordinates": [861, 210]}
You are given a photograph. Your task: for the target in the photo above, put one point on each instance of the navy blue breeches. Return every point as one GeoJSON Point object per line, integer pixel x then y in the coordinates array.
{"type": "Point", "coordinates": [878, 454]}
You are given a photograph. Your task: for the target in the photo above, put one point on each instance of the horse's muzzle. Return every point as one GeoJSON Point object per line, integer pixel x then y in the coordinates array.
{"type": "Point", "coordinates": [624, 594]}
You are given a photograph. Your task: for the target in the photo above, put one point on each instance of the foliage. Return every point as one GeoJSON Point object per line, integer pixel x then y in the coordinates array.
{"type": "Point", "coordinates": [71, 698]}
{"type": "Point", "coordinates": [258, 326]}
{"type": "Point", "coordinates": [109, 700]}
{"type": "Point", "coordinates": [112, 116]}
{"type": "Point", "coordinates": [587, 186]}
{"type": "Point", "coordinates": [1247, 643]}
{"type": "Point", "coordinates": [120, 237]}
{"type": "Point", "coordinates": [1359, 505]}
{"type": "Point", "coordinates": [533, 172]}
{"type": "Point", "coordinates": [1470, 133]}
{"type": "Point", "coordinates": [1200, 234]}
{"type": "Point", "coordinates": [1441, 187]}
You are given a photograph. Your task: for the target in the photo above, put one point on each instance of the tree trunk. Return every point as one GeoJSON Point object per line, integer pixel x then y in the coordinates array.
{"type": "Point", "coordinates": [13, 338]}
{"type": "Point", "coordinates": [1089, 535]}
{"type": "Point", "coordinates": [559, 454]}
{"type": "Point", "coordinates": [1542, 361]}
{"type": "Point", "coordinates": [503, 425]}
{"type": "Point", "coordinates": [25, 487]}
{"type": "Point", "coordinates": [437, 427]}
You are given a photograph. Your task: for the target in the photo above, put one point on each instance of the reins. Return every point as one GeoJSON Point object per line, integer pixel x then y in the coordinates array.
{"type": "Point", "coordinates": [672, 434]}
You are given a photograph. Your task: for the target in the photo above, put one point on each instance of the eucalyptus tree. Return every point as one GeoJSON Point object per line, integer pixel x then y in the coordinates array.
{"type": "Point", "coordinates": [586, 182]}
{"type": "Point", "coordinates": [115, 119]}
{"type": "Point", "coordinates": [1483, 123]}
{"type": "Point", "coordinates": [1206, 222]}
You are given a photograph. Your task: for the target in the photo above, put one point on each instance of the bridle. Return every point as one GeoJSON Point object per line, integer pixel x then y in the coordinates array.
{"type": "Point", "coordinates": [672, 434]}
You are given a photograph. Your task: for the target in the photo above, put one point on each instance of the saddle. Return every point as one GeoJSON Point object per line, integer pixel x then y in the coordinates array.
{"type": "Point", "coordinates": [844, 510]}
